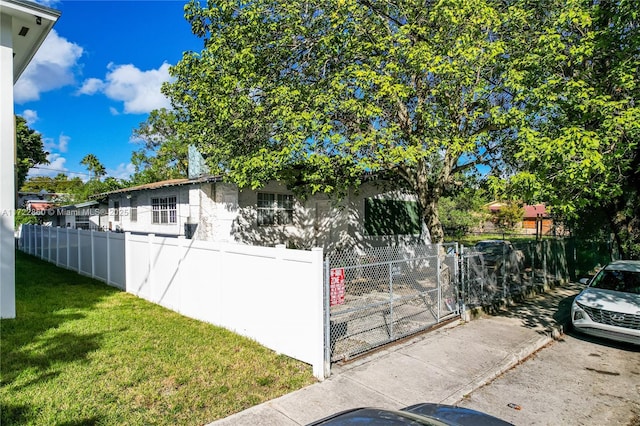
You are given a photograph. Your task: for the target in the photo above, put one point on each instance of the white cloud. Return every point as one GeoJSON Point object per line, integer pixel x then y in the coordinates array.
{"type": "Point", "coordinates": [114, 111]}
{"type": "Point", "coordinates": [30, 116]}
{"type": "Point", "coordinates": [63, 142]}
{"type": "Point", "coordinates": [55, 166]}
{"type": "Point", "coordinates": [51, 68]}
{"type": "Point", "coordinates": [91, 86]}
{"type": "Point", "coordinates": [123, 171]}
{"type": "Point", "coordinates": [138, 90]}
{"type": "Point", "coordinates": [61, 145]}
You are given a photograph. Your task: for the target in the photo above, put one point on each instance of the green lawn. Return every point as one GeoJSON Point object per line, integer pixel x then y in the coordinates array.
{"type": "Point", "coordinates": [83, 353]}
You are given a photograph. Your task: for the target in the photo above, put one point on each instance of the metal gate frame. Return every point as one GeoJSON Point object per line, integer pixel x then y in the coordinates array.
{"type": "Point", "coordinates": [380, 295]}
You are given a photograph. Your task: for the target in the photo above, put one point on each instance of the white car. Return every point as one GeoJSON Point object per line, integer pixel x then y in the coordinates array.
{"type": "Point", "coordinates": [609, 306]}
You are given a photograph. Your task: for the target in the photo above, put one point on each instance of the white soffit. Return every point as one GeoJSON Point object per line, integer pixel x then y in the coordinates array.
{"type": "Point", "coordinates": [31, 22]}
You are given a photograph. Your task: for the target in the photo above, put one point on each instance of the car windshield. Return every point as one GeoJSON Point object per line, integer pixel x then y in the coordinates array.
{"type": "Point", "coordinates": [626, 281]}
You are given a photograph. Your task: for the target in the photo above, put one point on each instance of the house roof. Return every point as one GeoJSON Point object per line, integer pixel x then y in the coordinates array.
{"type": "Point", "coordinates": [160, 184]}
{"type": "Point", "coordinates": [535, 210]}
{"type": "Point", "coordinates": [530, 211]}
{"type": "Point", "coordinates": [38, 205]}
{"type": "Point", "coordinates": [79, 205]}
{"type": "Point", "coordinates": [30, 24]}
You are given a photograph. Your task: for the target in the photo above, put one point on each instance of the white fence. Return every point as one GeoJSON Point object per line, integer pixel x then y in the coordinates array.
{"type": "Point", "coordinates": [272, 295]}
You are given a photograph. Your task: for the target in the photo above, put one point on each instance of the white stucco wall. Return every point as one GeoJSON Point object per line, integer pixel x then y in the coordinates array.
{"type": "Point", "coordinates": [318, 221]}
{"type": "Point", "coordinates": [214, 207]}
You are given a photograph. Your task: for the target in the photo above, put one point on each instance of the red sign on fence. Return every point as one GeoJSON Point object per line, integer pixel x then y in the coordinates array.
{"type": "Point", "coordinates": [336, 286]}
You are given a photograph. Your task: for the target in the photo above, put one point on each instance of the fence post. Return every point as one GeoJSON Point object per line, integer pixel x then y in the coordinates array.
{"type": "Point", "coordinates": [534, 254]}
{"type": "Point", "coordinates": [41, 242]}
{"type": "Point", "coordinates": [49, 244]}
{"type": "Point", "coordinates": [544, 265]}
{"type": "Point", "coordinates": [182, 245]}
{"type": "Point", "coordinates": [150, 274]}
{"type": "Point", "coordinates": [327, 319]}
{"type": "Point", "coordinates": [505, 266]}
{"type": "Point", "coordinates": [462, 305]}
{"type": "Point", "coordinates": [439, 279]}
{"type": "Point", "coordinates": [108, 258]}
{"type": "Point", "coordinates": [391, 330]}
{"type": "Point", "coordinates": [93, 255]}
{"type": "Point", "coordinates": [319, 364]}
{"type": "Point", "coordinates": [127, 262]}
{"type": "Point", "coordinates": [68, 247]}
{"type": "Point", "coordinates": [79, 251]}
{"type": "Point", "coordinates": [57, 246]}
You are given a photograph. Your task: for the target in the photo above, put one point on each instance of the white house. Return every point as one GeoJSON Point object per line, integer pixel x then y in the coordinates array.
{"type": "Point", "coordinates": [207, 208]}
{"type": "Point", "coordinates": [23, 27]}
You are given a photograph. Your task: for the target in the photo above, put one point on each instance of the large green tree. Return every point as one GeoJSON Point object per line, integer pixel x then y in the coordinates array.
{"type": "Point", "coordinates": [320, 93]}
{"type": "Point", "coordinates": [29, 150]}
{"type": "Point", "coordinates": [60, 184]}
{"type": "Point", "coordinates": [579, 150]}
{"type": "Point", "coordinates": [161, 155]}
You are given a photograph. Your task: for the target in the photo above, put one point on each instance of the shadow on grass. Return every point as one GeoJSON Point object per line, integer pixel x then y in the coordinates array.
{"type": "Point", "coordinates": [61, 348]}
{"type": "Point", "coordinates": [34, 349]}
{"type": "Point", "coordinates": [84, 422]}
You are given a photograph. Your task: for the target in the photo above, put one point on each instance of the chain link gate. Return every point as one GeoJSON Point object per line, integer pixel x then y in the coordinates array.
{"type": "Point", "coordinates": [513, 273]}
{"type": "Point", "coordinates": [378, 295]}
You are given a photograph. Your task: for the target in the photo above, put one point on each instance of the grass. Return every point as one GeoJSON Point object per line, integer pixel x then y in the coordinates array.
{"type": "Point", "coordinates": [83, 353]}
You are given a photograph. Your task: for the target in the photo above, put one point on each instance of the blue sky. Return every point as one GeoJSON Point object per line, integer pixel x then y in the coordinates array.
{"type": "Point", "coordinates": [96, 78]}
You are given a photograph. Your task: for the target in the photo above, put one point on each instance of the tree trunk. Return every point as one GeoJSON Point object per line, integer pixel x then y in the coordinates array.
{"type": "Point", "coordinates": [432, 232]}
{"type": "Point", "coordinates": [428, 194]}
{"type": "Point", "coordinates": [431, 219]}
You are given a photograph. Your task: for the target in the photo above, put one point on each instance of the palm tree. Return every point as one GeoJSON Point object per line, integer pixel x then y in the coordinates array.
{"type": "Point", "coordinates": [94, 166]}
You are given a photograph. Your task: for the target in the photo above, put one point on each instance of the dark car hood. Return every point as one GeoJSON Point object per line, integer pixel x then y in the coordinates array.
{"type": "Point", "coordinates": [456, 415]}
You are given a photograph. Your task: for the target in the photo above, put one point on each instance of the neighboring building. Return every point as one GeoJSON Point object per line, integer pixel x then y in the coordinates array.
{"type": "Point", "coordinates": [206, 208]}
{"type": "Point", "coordinates": [89, 215]}
{"type": "Point", "coordinates": [535, 219]}
{"type": "Point", "coordinates": [24, 198]}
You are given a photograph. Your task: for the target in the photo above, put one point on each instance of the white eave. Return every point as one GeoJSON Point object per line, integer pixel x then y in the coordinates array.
{"type": "Point", "coordinates": [31, 23]}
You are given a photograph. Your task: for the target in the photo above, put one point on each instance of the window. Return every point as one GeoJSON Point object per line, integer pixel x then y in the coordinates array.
{"type": "Point", "coordinates": [275, 209]}
{"type": "Point", "coordinates": [116, 211]}
{"type": "Point", "coordinates": [391, 217]}
{"type": "Point", "coordinates": [164, 210]}
{"type": "Point", "coordinates": [134, 209]}
{"type": "Point", "coordinates": [82, 222]}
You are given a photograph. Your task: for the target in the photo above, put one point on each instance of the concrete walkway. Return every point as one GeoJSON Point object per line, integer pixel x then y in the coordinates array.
{"type": "Point", "coordinates": [441, 366]}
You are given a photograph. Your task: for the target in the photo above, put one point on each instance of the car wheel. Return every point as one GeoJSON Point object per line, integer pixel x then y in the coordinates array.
{"type": "Point", "coordinates": [568, 326]}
